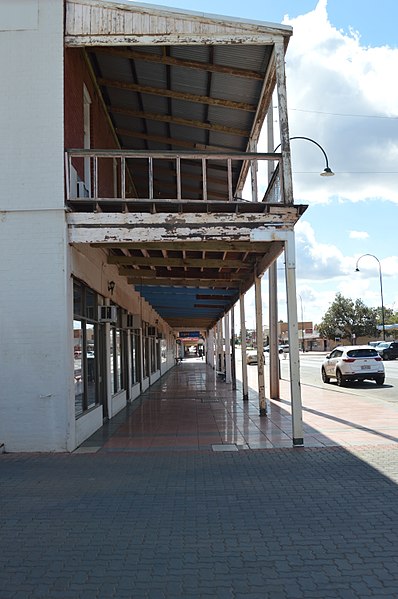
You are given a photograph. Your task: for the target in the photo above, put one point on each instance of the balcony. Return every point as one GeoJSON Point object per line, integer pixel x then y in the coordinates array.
{"type": "Point", "coordinates": [168, 181]}
{"type": "Point", "coordinates": [177, 222]}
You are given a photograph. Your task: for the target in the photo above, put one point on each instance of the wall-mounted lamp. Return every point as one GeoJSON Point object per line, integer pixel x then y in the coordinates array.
{"type": "Point", "coordinates": [327, 171]}
{"type": "Point", "coordinates": [111, 286]}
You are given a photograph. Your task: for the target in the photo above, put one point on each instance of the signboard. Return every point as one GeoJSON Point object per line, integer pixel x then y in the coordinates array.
{"type": "Point", "coordinates": [189, 334]}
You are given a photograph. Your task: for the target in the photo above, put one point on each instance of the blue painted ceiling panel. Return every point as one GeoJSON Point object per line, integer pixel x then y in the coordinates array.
{"type": "Point", "coordinates": [189, 303]}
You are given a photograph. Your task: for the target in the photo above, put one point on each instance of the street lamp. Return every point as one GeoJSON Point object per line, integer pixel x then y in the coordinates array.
{"type": "Point", "coordinates": [381, 289]}
{"type": "Point", "coordinates": [327, 171]}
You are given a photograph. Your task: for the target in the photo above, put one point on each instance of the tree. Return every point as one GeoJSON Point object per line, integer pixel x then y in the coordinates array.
{"type": "Point", "coordinates": [389, 316]}
{"type": "Point", "coordinates": [346, 318]}
{"type": "Point", "coordinates": [365, 320]}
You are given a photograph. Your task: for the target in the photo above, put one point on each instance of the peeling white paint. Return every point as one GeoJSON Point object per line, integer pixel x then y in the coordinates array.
{"type": "Point", "coordinates": [95, 22]}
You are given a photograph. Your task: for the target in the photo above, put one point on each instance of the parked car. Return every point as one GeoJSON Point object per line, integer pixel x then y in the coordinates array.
{"type": "Point", "coordinates": [353, 363]}
{"type": "Point", "coordinates": [388, 350]}
{"type": "Point", "coordinates": [251, 356]}
{"type": "Point", "coordinates": [374, 343]}
{"type": "Point", "coordinates": [281, 348]}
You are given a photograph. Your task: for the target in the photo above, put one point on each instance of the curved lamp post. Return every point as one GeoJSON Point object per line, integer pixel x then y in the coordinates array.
{"type": "Point", "coordinates": [381, 289]}
{"type": "Point", "coordinates": [327, 171]}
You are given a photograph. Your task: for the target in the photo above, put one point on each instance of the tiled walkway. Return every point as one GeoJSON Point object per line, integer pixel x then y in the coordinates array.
{"type": "Point", "coordinates": [190, 408]}
{"type": "Point", "coordinates": [150, 508]}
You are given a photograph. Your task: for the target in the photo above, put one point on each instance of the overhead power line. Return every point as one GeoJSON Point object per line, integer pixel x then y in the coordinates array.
{"type": "Point", "coordinates": [361, 116]}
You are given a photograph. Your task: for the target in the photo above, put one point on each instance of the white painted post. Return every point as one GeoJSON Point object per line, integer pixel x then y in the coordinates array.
{"type": "Point", "coordinates": [286, 174]}
{"type": "Point", "coordinates": [253, 172]}
{"type": "Point", "coordinates": [129, 382]}
{"type": "Point", "coordinates": [233, 357]}
{"type": "Point", "coordinates": [222, 344]}
{"type": "Point", "coordinates": [107, 361]}
{"type": "Point", "coordinates": [295, 389]}
{"type": "Point", "coordinates": [141, 350]}
{"type": "Point", "coordinates": [228, 377]}
{"type": "Point", "coordinates": [260, 347]}
{"type": "Point", "coordinates": [274, 366]}
{"type": "Point", "coordinates": [219, 364]}
{"type": "Point", "coordinates": [244, 355]}
{"type": "Point", "coordinates": [208, 347]}
{"type": "Point", "coordinates": [212, 348]}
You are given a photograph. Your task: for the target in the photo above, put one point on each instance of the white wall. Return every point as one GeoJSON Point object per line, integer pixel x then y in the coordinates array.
{"type": "Point", "coordinates": [36, 357]}
{"type": "Point", "coordinates": [35, 298]}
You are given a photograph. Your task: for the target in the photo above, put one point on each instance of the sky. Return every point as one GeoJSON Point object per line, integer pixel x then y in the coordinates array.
{"type": "Point", "coordinates": [341, 66]}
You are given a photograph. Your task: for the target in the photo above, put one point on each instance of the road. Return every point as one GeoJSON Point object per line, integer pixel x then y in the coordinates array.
{"type": "Point", "coordinates": [310, 371]}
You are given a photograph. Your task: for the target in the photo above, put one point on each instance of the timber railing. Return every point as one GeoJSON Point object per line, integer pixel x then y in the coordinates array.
{"type": "Point", "coordinates": [101, 176]}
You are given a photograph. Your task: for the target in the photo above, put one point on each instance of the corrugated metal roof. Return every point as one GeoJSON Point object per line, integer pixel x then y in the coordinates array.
{"type": "Point", "coordinates": [188, 103]}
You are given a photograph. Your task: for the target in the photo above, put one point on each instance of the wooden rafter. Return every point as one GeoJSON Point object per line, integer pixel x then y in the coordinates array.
{"type": "Point", "coordinates": [168, 93]}
{"type": "Point", "coordinates": [167, 140]}
{"type": "Point", "coordinates": [178, 262]}
{"type": "Point", "coordinates": [178, 62]}
{"type": "Point", "coordinates": [166, 118]}
{"type": "Point", "coordinates": [167, 282]}
{"type": "Point", "coordinates": [215, 246]}
{"type": "Point", "coordinates": [191, 275]}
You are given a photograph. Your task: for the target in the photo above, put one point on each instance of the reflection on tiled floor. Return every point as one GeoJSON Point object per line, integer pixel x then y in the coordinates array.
{"type": "Point", "coordinates": [190, 408]}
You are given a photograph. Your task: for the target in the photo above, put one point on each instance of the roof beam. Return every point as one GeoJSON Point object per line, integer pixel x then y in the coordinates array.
{"type": "Point", "coordinates": [191, 275]}
{"type": "Point", "coordinates": [216, 246]}
{"type": "Point", "coordinates": [169, 282]}
{"type": "Point", "coordinates": [190, 323]}
{"type": "Point", "coordinates": [165, 118]}
{"type": "Point", "coordinates": [167, 140]}
{"type": "Point", "coordinates": [177, 262]}
{"type": "Point", "coordinates": [178, 62]}
{"type": "Point", "coordinates": [158, 91]}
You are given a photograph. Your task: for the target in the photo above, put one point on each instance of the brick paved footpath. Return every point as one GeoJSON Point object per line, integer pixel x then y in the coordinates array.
{"type": "Point", "coordinates": [279, 523]}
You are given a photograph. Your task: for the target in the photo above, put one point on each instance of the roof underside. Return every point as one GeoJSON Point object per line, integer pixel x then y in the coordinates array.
{"type": "Point", "coordinates": [207, 91]}
{"type": "Point", "coordinates": [169, 97]}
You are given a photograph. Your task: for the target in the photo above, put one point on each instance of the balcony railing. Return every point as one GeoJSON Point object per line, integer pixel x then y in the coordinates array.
{"type": "Point", "coordinates": [105, 176]}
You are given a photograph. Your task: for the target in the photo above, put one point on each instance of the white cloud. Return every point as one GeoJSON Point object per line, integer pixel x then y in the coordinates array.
{"type": "Point", "coordinates": [317, 260]}
{"type": "Point", "coordinates": [342, 95]}
{"type": "Point", "coordinates": [330, 74]}
{"type": "Point", "coordinates": [358, 234]}
{"type": "Point", "coordinates": [389, 266]}
{"type": "Point", "coordinates": [324, 270]}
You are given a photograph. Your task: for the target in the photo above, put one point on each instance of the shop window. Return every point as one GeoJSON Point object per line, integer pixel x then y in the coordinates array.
{"type": "Point", "coordinates": [91, 362]}
{"type": "Point", "coordinates": [78, 373]}
{"type": "Point", "coordinates": [117, 344]}
{"type": "Point", "coordinates": [85, 365]}
{"type": "Point", "coordinates": [77, 299]}
{"type": "Point", "coordinates": [153, 354]}
{"type": "Point", "coordinates": [135, 358]}
{"type": "Point", "coordinates": [85, 348]}
{"type": "Point", "coordinates": [163, 351]}
{"type": "Point", "coordinates": [147, 362]}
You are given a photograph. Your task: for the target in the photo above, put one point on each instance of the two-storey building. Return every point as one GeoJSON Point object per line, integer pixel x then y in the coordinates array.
{"type": "Point", "coordinates": [134, 202]}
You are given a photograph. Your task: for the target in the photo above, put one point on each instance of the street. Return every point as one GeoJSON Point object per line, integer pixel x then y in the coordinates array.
{"type": "Point", "coordinates": [310, 370]}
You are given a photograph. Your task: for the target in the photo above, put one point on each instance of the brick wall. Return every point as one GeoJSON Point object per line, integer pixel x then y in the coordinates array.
{"type": "Point", "coordinates": [77, 74]}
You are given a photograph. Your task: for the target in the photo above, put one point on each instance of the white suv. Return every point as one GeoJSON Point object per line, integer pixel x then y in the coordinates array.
{"type": "Point", "coordinates": [353, 363]}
